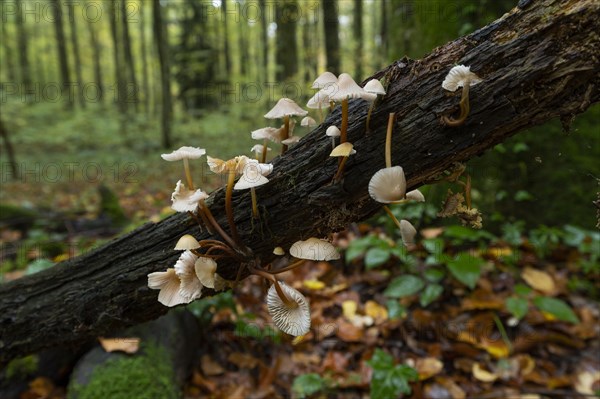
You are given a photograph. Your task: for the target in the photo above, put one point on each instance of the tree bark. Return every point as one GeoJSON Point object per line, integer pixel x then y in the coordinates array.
{"type": "Point", "coordinates": [286, 54]}
{"type": "Point", "coordinates": [143, 52]}
{"type": "Point", "coordinates": [357, 26]}
{"type": "Point", "coordinates": [75, 45]}
{"type": "Point", "coordinates": [332, 38]}
{"type": "Point", "coordinates": [120, 90]}
{"type": "Point", "coordinates": [537, 62]}
{"type": "Point", "coordinates": [162, 44]}
{"type": "Point", "coordinates": [128, 56]}
{"type": "Point", "coordinates": [8, 54]}
{"type": "Point", "coordinates": [226, 39]}
{"type": "Point", "coordinates": [96, 54]}
{"type": "Point", "coordinates": [264, 42]}
{"type": "Point", "coordinates": [23, 49]}
{"type": "Point", "coordinates": [62, 52]}
{"type": "Point", "coordinates": [10, 151]}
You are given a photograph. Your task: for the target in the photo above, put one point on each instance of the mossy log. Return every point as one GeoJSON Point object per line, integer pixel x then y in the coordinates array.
{"type": "Point", "coordinates": [538, 62]}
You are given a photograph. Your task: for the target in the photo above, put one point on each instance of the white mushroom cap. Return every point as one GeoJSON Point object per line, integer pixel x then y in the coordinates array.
{"type": "Point", "coordinates": [205, 269]}
{"type": "Point", "coordinates": [333, 131]}
{"type": "Point", "coordinates": [191, 287]}
{"type": "Point", "coordinates": [458, 77]}
{"type": "Point", "coordinates": [184, 200]}
{"type": "Point", "coordinates": [319, 100]}
{"type": "Point", "coordinates": [291, 140]}
{"type": "Point", "coordinates": [347, 88]}
{"type": "Point", "coordinates": [415, 195]}
{"type": "Point", "coordinates": [168, 283]}
{"type": "Point", "coordinates": [285, 106]}
{"type": "Point", "coordinates": [236, 164]}
{"type": "Point", "coordinates": [343, 150]}
{"type": "Point", "coordinates": [258, 149]}
{"type": "Point", "coordinates": [323, 80]}
{"type": "Point", "coordinates": [308, 121]}
{"type": "Point", "coordinates": [278, 251]}
{"type": "Point", "coordinates": [186, 242]}
{"type": "Point", "coordinates": [374, 86]}
{"type": "Point", "coordinates": [388, 185]}
{"type": "Point", "coordinates": [291, 320]}
{"type": "Point", "coordinates": [250, 179]}
{"type": "Point", "coordinates": [184, 152]}
{"type": "Point", "coordinates": [266, 133]}
{"type": "Point", "coordinates": [408, 233]}
{"type": "Point", "coordinates": [314, 249]}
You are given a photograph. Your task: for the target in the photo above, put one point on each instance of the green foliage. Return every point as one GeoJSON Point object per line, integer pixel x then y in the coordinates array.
{"type": "Point", "coordinates": [377, 252]}
{"type": "Point", "coordinates": [21, 367]}
{"type": "Point", "coordinates": [389, 380]}
{"type": "Point", "coordinates": [308, 384]}
{"type": "Point", "coordinates": [430, 294]}
{"type": "Point", "coordinates": [402, 286]}
{"type": "Point", "coordinates": [38, 265]}
{"type": "Point", "coordinates": [556, 308]}
{"type": "Point", "coordinates": [517, 306]}
{"type": "Point", "coordinates": [466, 268]}
{"type": "Point", "coordinates": [395, 309]}
{"type": "Point", "coordinates": [246, 328]}
{"type": "Point", "coordinates": [207, 307]}
{"type": "Point", "coordinates": [146, 375]}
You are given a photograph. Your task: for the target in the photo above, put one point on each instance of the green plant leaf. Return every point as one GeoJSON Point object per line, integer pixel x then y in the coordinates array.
{"type": "Point", "coordinates": [381, 360]}
{"type": "Point", "coordinates": [376, 257]}
{"type": "Point", "coordinates": [557, 308]}
{"type": "Point", "coordinates": [404, 286]}
{"type": "Point", "coordinates": [522, 289]}
{"type": "Point", "coordinates": [308, 384]}
{"type": "Point", "coordinates": [395, 309]}
{"type": "Point", "coordinates": [434, 246]}
{"type": "Point", "coordinates": [388, 381]}
{"type": "Point", "coordinates": [430, 294]}
{"type": "Point", "coordinates": [434, 274]}
{"type": "Point", "coordinates": [517, 307]}
{"type": "Point", "coordinates": [466, 268]}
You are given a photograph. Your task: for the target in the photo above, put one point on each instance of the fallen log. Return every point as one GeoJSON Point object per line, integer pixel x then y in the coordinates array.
{"type": "Point", "coordinates": [538, 62]}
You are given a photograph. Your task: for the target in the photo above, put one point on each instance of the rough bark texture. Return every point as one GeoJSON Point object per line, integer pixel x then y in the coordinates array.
{"type": "Point", "coordinates": [538, 62]}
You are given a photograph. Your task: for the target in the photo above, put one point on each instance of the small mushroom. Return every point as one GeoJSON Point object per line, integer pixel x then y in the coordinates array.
{"type": "Point", "coordinates": [319, 101]}
{"type": "Point", "coordinates": [191, 287]}
{"type": "Point", "coordinates": [346, 89]}
{"type": "Point", "coordinates": [184, 200]}
{"type": "Point", "coordinates": [375, 88]}
{"type": "Point", "coordinates": [253, 176]}
{"type": "Point", "coordinates": [314, 249]}
{"type": "Point", "coordinates": [205, 271]}
{"type": "Point", "coordinates": [343, 150]}
{"type": "Point", "coordinates": [415, 195]}
{"type": "Point", "coordinates": [325, 79]}
{"type": "Point", "coordinates": [460, 76]}
{"type": "Point", "coordinates": [258, 149]}
{"type": "Point", "coordinates": [264, 134]}
{"type": "Point", "coordinates": [168, 283]}
{"type": "Point", "coordinates": [291, 140]}
{"type": "Point", "coordinates": [184, 153]}
{"type": "Point", "coordinates": [283, 110]}
{"type": "Point", "coordinates": [278, 251]}
{"type": "Point", "coordinates": [187, 242]}
{"type": "Point", "coordinates": [307, 121]}
{"type": "Point", "coordinates": [291, 314]}
{"type": "Point", "coordinates": [333, 132]}
{"type": "Point", "coordinates": [408, 233]}
{"type": "Point", "coordinates": [388, 185]}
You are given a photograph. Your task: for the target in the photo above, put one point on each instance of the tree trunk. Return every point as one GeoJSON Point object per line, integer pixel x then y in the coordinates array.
{"type": "Point", "coordinates": [526, 81]}
{"type": "Point", "coordinates": [264, 26]}
{"type": "Point", "coordinates": [383, 33]}
{"type": "Point", "coordinates": [161, 39]}
{"type": "Point", "coordinates": [286, 55]}
{"type": "Point", "coordinates": [75, 44]}
{"type": "Point", "coordinates": [143, 52]}
{"type": "Point", "coordinates": [120, 89]}
{"type": "Point", "coordinates": [62, 52]}
{"type": "Point", "coordinates": [23, 50]}
{"type": "Point", "coordinates": [128, 57]}
{"type": "Point", "coordinates": [97, 56]}
{"type": "Point", "coordinates": [8, 54]}
{"type": "Point", "coordinates": [332, 38]}
{"type": "Point", "coordinates": [10, 152]}
{"type": "Point", "coordinates": [226, 39]}
{"type": "Point", "coordinates": [358, 39]}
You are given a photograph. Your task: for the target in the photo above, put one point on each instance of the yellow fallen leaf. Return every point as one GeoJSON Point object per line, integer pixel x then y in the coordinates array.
{"type": "Point", "coordinates": [498, 349]}
{"type": "Point", "coordinates": [539, 280]}
{"type": "Point", "coordinates": [60, 258]}
{"type": "Point", "coordinates": [376, 311]}
{"type": "Point", "coordinates": [314, 285]}
{"type": "Point", "coordinates": [483, 375]}
{"type": "Point", "coordinates": [210, 367]}
{"type": "Point", "coordinates": [428, 367]}
{"type": "Point", "coordinates": [299, 339]}
{"type": "Point", "coordinates": [349, 309]}
{"type": "Point", "coordinates": [127, 345]}
{"type": "Point", "coordinates": [498, 252]}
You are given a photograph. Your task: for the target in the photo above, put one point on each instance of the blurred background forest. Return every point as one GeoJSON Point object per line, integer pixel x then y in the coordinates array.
{"type": "Point", "coordinates": [92, 92]}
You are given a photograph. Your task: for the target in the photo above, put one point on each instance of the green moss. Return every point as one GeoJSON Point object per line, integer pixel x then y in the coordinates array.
{"type": "Point", "coordinates": [109, 205]}
{"type": "Point", "coordinates": [22, 367]}
{"type": "Point", "coordinates": [147, 375]}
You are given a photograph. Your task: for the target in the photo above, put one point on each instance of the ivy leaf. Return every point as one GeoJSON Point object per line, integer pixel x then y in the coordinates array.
{"type": "Point", "coordinates": [466, 268]}
{"type": "Point", "coordinates": [404, 286]}
{"type": "Point", "coordinates": [308, 384]}
{"type": "Point", "coordinates": [376, 257]}
{"type": "Point", "coordinates": [517, 307]}
{"type": "Point", "coordinates": [430, 294]}
{"type": "Point", "coordinates": [388, 381]}
{"type": "Point", "coordinates": [556, 308]}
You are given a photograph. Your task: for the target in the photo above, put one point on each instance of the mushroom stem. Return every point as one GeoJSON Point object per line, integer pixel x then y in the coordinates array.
{"type": "Point", "coordinates": [188, 174]}
{"type": "Point", "coordinates": [368, 128]}
{"type": "Point", "coordinates": [216, 225]}
{"type": "Point", "coordinates": [286, 133]}
{"type": "Point", "coordinates": [229, 206]}
{"type": "Point", "coordinates": [320, 115]}
{"type": "Point", "coordinates": [465, 108]}
{"type": "Point", "coordinates": [222, 248]}
{"type": "Point", "coordinates": [288, 267]}
{"type": "Point", "coordinates": [388, 141]}
{"type": "Point", "coordinates": [264, 152]}
{"type": "Point", "coordinates": [344, 128]}
{"type": "Point", "coordinates": [332, 143]}
{"type": "Point", "coordinates": [391, 215]}
{"type": "Point", "coordinates": [340, 169]}
{"type": "Point", "coordinates": [288, 302]}
{"type": "Point", "coordinates": [204, 222]}
{"type": "Point", "coordinates": [254, 203]}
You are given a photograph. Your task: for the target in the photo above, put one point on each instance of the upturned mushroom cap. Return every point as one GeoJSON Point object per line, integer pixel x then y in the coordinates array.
{"type": "Point", "coordinates": [374, 86]}
{"type": "Point", "coordinates": [347, 88]}
{"type": "Point", "coordinates": [319, 100]}
{"type": "Point", "coordinates": [187, 242]}
{"type": "Point", "coordinates": [258, 149]}
{"type": "Point", "coordinates": [388, 185]}
{"type": "Point", "coordinates": [333, 131]}
{"type": "Point", "coordinates": [285, 107]}
{"type": "Point", "coordinates": [408, 233]}
{"type": "Point", "coordinates": [205, 269]}
{"type": "Point", "coordinates": [291, 320]}
{"type": "Point", "coordinates": [415, 195]}
{"type": "Point", "coordinates": [314, 249]}
{"type": "Point", "coordinates": [250, 179]}
{"type": "Point", "coordinates": [291, 140]}
{"type": "Point", "coordinates": [459, 76]}
{"type": "Point", "coordinates": [236, 164]}
{"type": "Point", "coordinates": [168, 283]}
{"type": "Point", "coordinates": [191, 287]}
{"type": "Point", "coordinates": [184, 152]}
{"type": "Point", "coordinates": [308, 121]}
{"type": "Point", "coordinates": [184, 200]}
{"type": "Point", "coordinates": [266, 133]}
{"type": "Point", "coordinates": [323, 80]}
{"type": "Point", "coordinates": [343, 150]}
